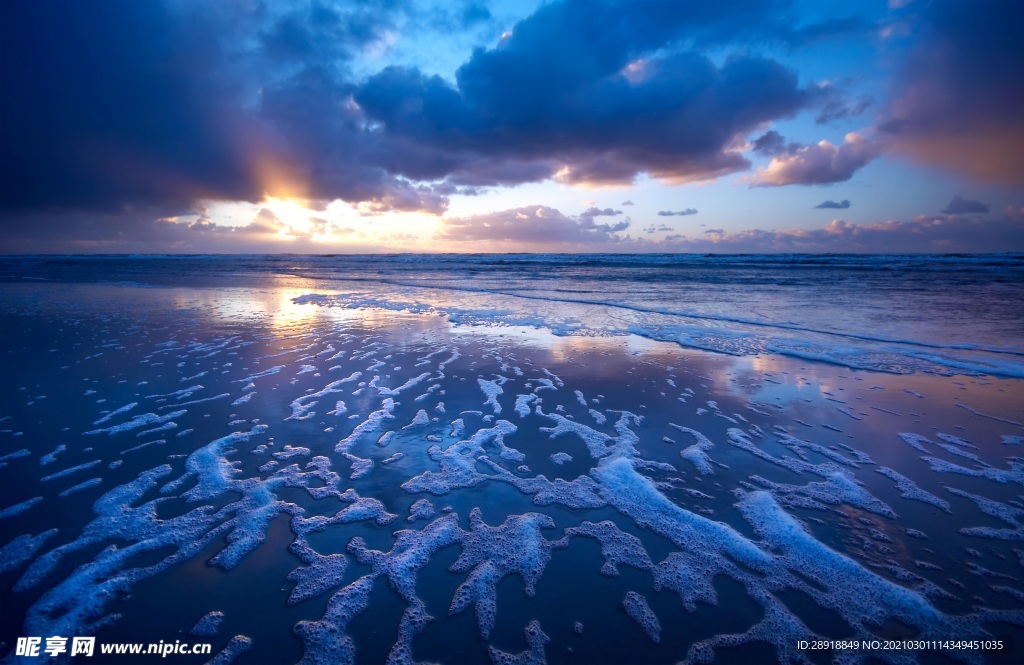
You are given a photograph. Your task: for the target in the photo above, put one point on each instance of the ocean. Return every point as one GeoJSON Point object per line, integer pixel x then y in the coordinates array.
{"type": "Point", "coordinates": [514, 458]}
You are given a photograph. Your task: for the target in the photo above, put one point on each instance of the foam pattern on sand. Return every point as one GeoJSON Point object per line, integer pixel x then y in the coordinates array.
{"type": "Point", "coordinates": [208, 624]}
{"type": "Point", "coordinates": [350, 500]}
{"type": "Point", "coordinates": [490, 553]}
{"type": "Point", "coordinates": [640, 612]}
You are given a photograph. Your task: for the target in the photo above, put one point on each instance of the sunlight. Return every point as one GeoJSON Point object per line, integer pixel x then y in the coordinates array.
{"type": "Point", "coordinates": [296, 219]}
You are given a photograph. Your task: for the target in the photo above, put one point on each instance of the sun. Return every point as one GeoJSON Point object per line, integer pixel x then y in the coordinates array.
{"type": "Point", "coordinates": [295, 217]}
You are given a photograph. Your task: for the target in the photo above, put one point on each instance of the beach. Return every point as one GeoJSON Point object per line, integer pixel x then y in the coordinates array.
{"type": "Point", "coordinates": [515, 458]}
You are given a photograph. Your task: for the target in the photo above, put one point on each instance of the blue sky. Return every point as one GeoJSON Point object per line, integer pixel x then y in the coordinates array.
{"type": "Point", "coordinates": [586, 125]}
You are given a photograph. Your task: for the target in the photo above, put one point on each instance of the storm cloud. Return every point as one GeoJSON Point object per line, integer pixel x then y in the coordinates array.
{"type": "Point", "coordinates": [957, 101]}
{"type": "Point", "coordinates": [580, 107]}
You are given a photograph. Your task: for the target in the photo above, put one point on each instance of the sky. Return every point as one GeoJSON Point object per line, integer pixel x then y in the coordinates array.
{"type": "Point", "coordinates": [249, 126]}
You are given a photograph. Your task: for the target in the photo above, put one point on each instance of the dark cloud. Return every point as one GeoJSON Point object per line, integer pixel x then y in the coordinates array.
{"type": "Point", "coordinates": [591, 92]}
{"type": "Point", "coordinates": [679, 213]}
{"type": "Point", "coordinates": [819, 164]}
{"type": "Point", "coordinates": [145, 106]}
{"type": "Point", "coordinates": [323, 33]}
{"type": "Point", "coordinates": [958, 100]}
{"type": "Point", "coordinates": [99, 108]}
{"type": "Point", "coordinates": [627, 203]}
{"type": "Point", "coordinates": [961, 206]}
{"type": "Point", "coordinates": [658, 228]}
{"type": "Point", "coordinates": [113, 104]}
{"type": "Point", "coordinates": [587, 220]}
{"type": "Point", "coordinates": [826, 30]}
{"type": "Point", "coordinates": [771, 143]}
{"type": "Point", "coordinates": [836, 106]}
{"type": "Point", "coordinates": [834, 205]}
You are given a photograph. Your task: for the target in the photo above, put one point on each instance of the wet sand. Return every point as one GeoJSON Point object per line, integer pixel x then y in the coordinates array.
{"type": "Point", "coordinates": [771, 441]}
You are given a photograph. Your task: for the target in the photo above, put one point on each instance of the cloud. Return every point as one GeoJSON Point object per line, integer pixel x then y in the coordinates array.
{"type": "Point", "coordinates": [957, 100]}
{"type": "Point", "coordinates": [771, 143]}
{"type": "Point", "coordinates": [961, 206]}
{"type": "Point", "coordinates": [587, 220]}
{"type": "Point", "coordinates": [833, 205]}
{"type": "Point", "coordinates": [151, 105]}
{"type": "Point", "coordinates": [523, 229]}
{"type": "Point", "coordinates": [679, 213]}
{"type": "Point", "coordinates": [593, 92]}
{"type": "Point", "coordinates": [528, 228]}
{"type": "Point", "coordinates": [819, 164]}
{"type": "Point", "coordinates": [836, 106]}
{"type": "Point", "coordinates": [658, 228]}
{"type": "Point", "coordinates": [534, 226]}
{"type": "Point", "coordinates": [627, 203]}
{"type": "Point", "coordinates": [937, 234]}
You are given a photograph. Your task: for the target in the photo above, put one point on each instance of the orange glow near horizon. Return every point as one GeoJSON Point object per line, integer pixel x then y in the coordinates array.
{"type": "Point", "coordinates": [294, 215]}
{"type": "Point", "coordinates": [279, 180]}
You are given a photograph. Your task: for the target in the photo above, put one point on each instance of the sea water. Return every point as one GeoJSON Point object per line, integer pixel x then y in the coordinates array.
{"type": "Point", "coordinates": [516, 458]}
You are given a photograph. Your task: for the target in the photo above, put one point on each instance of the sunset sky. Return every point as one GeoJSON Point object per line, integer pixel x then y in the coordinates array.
{"type": "Point", "coordinates": [511, 125]}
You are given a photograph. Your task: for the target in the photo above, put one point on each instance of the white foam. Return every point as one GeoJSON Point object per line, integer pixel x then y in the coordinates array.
{"type": "Point", "coordinates": [863, 599]}
{"type": "Point", "coordinates": [492, 389]}
{"type": "Point", "coordinates": [19, 508]}
{"type": "Point", "coordinates": [319, 573]}
{"type": "Point", "coordinates": [1011, 515]}
{"type": "Point", "coordinates": [421, 418]}
{"type": "Point", "coordinates": [915, 441]}
{"type": "Point", "coordinates": [116, 412]}
{"type": "Point", "coordinates": [195, 401]}
{"type": "Point", "coordinates": [292, 451]}
{"type": "Point", "coordinates": [373, 423]}
{"type": "Point", "coordinates": [421, 509]}
{"type": "Point", "coordinates": [21, 549]}
{"type": "Point", "coordinates": [362, 509]}
{"type": "Point", "coordinates": [411, 552]}
{"type": "Point", "coordinates": [909, 490]}
{"type": "Point", "coordinates": [139, 421]}
{"type": "Point", "coordinates": [243, 399]}
{"type": "Point", "coordinates": [536, 639]}
{"type": "Point", "coordinates": [258, 375]}
{"type": "Point", "coordinates": [208, 624]}
{"type": "Point", "coordinates": [637, 497]}
{"type": "Point", "coordinates": [522, 406]}
{"type": "Point", "coordinates": [51, 457]}
{"type": "Point", "coordinates": [1014, 474]}
{"type": "Point", "coordinates": [238, 645]}
{"type": "Point", "coordinates": [67, 472]}
{"type": "Point", "coordinates": [301, 406]}
{"type": "Point", "coordinates": [458, 462]}
{"type": "Point", "coordinates": [639, 611]}
{"type": "Point", "coordinates": [16, 454]}
{"type": "Point", "coordinates": [697, 454]}
{"type": "Point", "coordinates": [490, 553]}
{"type": "Point", "coordinates": [839, 487]}
{"type": "Point", "coordinates": [561, 458]}
{"type": "Point", "coordinates": [617, 546]}
{"type": "Point", "coordinates": [388, 392]}
{"type": "Point", "coordinates": [360, 466]}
